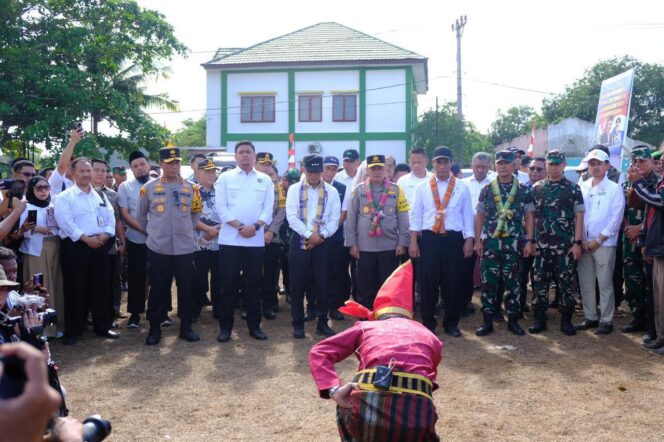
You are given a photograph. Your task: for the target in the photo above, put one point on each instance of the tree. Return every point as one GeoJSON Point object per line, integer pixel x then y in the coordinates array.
{"type": "Point", "coordinates": [192, 134]}
{"type": "Point", "coordinates": [516, 121]}
{"type": "Point", "coordinates": [646, 120]}
{"type": "Point", "coordinates": [63, 60]}
{"type": "Point", "coordinates": [461, 137]}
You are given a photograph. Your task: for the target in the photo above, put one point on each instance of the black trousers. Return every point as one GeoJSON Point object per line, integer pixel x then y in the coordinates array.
{"type": "Point", "coordinates": [525, 276]}
{"type": "Point", "coordinates": [339, 285]}
{"type": "Point", "coordinates": [240, 265]}
{"type": "Point", "coordinates": [162, 270]}
{"type": "Point", "coordinates": [467, 276]}
{"type": "Point", "coordinates": [441, 262]}
{"type": "Point", "coordinates": [284, 264]}
{"type": "Point", "coordinates": [305, 264]}
{"type": "Point", "coordinates": [650, 303]}
{"type": "Point", "coordinates": [137, 274]}
{"type": "Point", "coordinates": [373, 268]}
{"type": "Point", "coordinates": [270, 284]}
{"type": "Point", "coordinates": [115, 266]}
{"type": "Point", "coordinates": [207, 266]}
{"type": "Point", "coordinates": [86, 283]}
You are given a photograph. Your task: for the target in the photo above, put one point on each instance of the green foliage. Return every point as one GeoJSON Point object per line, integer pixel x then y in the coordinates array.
{"type": "Point", "coordinates": [461, 137]}
{"type": "Point", "coordinates": [516, 121]}
{"type": "Point", "coordinates": [192, 134]}
{"type": "Point", "coordinates": [579, 100]}
{"type": "Point", "coordinates": [65, 60]}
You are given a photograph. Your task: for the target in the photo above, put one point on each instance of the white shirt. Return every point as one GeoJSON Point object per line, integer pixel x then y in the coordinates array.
{"type": "Point", "coordinates": [459, 215]}
{"type": "Point", "coordinates": [33, 242]}
{"type": "Point", "coordinates": [246, 197]}
{"type": "Point", "coordinates": [56, 180]}
{"type": "Point", "coordinates": [128, 198]}
{"type": "Point", "coordinates": [475, 187]}
{"type": "Point", "coordinates": [330, 215]}
{"type": "Point", "coordinates": [408, 183]}
{"type": "Point", "coordinates": [78, 213]}
{"type": "Point", "coordinates": [605, 205]}
{"type": "Point", "coordinates": [522, 177]}
{"type": "Point", "coordinates": [343, 177]}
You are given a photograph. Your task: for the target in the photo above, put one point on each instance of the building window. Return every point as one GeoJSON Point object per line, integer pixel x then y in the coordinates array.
{"type": "Point", "coordinates": [344, 108]}
{"type": "Point", "coordinates": [310, 108]}
{"type": "Point", "coordinates": [257, 109]}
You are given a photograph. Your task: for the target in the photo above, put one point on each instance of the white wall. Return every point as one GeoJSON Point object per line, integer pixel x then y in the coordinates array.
{"type": "Point", "coordinates": [258, 82]}
{"type": "Point", "coordinates": [396, 148]}
{"type": "Point", "coordinates": [327, 81]}
{"type": "Point", "coordinates": [213, 127]}
{"type": "Point", "coordinates": [386, 86]}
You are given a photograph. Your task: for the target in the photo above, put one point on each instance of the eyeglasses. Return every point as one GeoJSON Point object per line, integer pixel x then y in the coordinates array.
{"type": "Point", "coordinates": [42, 188]}
{"type": "Point", "coordinates": [28, 174]}
{"type": "Point", "coordinates": [535, 169]}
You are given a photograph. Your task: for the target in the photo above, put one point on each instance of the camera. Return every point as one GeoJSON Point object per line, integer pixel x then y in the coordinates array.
{"type": "Point", "coordinates": [16, 188]}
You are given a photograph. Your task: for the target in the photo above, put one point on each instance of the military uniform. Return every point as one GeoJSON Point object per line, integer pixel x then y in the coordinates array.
{"type": "Point", "coordinates": [378, 257]}
{"type": "Point", "coordinates": [169, 211]}
{"type": "Point", "coordinates": [556, 205]}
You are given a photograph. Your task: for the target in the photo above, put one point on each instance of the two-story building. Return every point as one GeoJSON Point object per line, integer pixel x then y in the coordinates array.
{"type": "Point", "coordinates": [331, 87]}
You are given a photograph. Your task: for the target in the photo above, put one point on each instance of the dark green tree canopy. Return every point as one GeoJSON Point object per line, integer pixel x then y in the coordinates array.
{"type": "Point", "coordinates": [192, 134]}
{"type": "Point", "coordinates": [514, 122]}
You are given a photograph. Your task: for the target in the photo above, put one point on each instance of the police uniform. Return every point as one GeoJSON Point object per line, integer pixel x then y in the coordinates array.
{"type": "Point", "coordinates": [168, 211]}
{"type": "Point", "coordinates": [637, 287]}
{"type": "Point", "coordinates": [503, 207]}
{"type": "Point", "coordinates": [376, 228]}
{"type": "Point", "coordinates": [556, 206]}
{"type": "Point", "coordinates": [270, 286]}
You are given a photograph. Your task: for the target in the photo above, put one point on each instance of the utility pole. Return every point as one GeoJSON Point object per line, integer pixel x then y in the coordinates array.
{"type": "Point", "coordinates": [458, 27]}
{"type": "Point", "coordinates": [437, 122]}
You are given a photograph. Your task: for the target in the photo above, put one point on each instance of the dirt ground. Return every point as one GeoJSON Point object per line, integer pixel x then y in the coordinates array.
{"type": "Point", "coordinates": [551, 387]}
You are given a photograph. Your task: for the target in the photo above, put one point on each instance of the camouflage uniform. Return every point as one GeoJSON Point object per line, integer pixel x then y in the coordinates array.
{"type": "Point", "coordinates": [501, 258]}
{"type": "Point", "coordinates": [556, 204]}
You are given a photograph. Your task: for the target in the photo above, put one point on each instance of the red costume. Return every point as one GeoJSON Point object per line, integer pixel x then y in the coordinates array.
{"type": "Point", "coordinates": [404, 410]}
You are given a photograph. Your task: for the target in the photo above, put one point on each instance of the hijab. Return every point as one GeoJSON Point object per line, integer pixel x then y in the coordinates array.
{"type": "Point", "coordinates": [30, 194]}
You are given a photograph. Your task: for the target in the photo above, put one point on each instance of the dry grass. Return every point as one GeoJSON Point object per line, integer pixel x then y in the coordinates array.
{"type": "Point", "coordinates": [551, 387]}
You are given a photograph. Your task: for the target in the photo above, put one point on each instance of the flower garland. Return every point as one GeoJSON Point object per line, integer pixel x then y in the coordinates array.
{"type": "Point", "coordinates": [320, 208]}
{"type": "Point", "coordinates": [376, 211]}
{"type": "Point", "coordinates": [441, 209]}
{"type": "Point", "coordinates": [505, 211]}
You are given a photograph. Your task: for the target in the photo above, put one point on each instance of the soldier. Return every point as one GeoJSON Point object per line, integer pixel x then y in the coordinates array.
{"type": "Point", "coordinates": [168, 209]}
{"type": "Point", "coordinates": [264, 162]}
{"type": "Point", "coordinates": [501, 207]}
{"type": "Point", "coordinates": [638, 290]}
{"type": "Point", "coordinates": [377, 231]}
{"type": "Point", "coordinates": [559, 236]}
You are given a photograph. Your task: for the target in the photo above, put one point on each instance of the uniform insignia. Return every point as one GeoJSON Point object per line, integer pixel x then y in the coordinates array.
{"type": "Point", "coordinates": [365, 209]}
{"type": "Point", "coordinates": [160, 208]}
{"type": "Point", "coordinates": [142, 192]}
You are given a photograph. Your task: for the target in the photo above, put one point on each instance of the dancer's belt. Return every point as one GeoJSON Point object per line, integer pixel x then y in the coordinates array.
{"type": "Point", "coordinates": [401, 383]}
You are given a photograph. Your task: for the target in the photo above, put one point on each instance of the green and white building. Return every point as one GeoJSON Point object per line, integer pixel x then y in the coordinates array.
{"type": "Point", "coordinates": [332, 87]}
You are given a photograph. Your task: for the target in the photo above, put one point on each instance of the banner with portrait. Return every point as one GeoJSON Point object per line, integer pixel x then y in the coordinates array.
{"type": "Point", "coordinates": [612, 119]}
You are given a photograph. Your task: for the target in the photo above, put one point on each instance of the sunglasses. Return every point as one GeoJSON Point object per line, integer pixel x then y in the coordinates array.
{"type": "Point", "coordinates": [42, 188]}
{"type": "Point", "coordinates": [536, 169]}
{"type": "Point", "coordinates": [28, 174]}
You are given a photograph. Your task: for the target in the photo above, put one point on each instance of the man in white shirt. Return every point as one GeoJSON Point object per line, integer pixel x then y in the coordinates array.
{"type": "Point", "coordinates": [244, 200]}
{"type": "Point", "coordinates": [442, 214]}
{"type": "Point", "coordinates": [87, 229]}
{"type": "Point", "coordinates": [418, 173]}
{"type": "Point", "coordinates": [521, 175]}
{"type": "Point", "coordinates": [351, 162]}
{"type": "Point", "coordinates": [605, 204]}
{"type": "Point", "coordinates": [61, 177]}
{"type": "Point", "coordinates": [312, 210]}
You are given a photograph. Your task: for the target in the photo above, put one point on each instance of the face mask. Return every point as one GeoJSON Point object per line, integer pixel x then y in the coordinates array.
{"type": "Point", "coordinates": [143, 179]}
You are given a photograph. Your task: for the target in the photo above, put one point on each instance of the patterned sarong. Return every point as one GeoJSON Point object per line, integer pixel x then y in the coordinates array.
{"type": "Point", "coordinates": [382, 416]}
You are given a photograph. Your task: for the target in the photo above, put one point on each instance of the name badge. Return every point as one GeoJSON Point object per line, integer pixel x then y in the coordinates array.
{"type": "Point", "coordinates": [101, 216]}
{"type": "Point", "coordinates": [50, 217]}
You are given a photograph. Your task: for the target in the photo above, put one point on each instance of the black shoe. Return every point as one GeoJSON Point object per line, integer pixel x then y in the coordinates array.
{"type": "Point", "coordinates": [186, 331]}
{"type": "Point", "coordinates": [258, 333]}
{"type": "Point", "coordinates": [634, 326]}
{"type": "Point", "coordinates": [336, 315]}
{"type": "Point", "coordinates": [453, 331]}
{"type": "Point", "coordinates": [153, 339]}
{"type": "Point", "coordinates": [322, 329]}
{"type": "Point", "coordinates": [604, 328]}
{"type": "Point", "coordinates": [166, 321]}
{"type": "Point", "coordinates": [224, 335]}
{"type": "Point", "coordinates": [69, 340]}
{"type": "Point", "coordinates": [654, 344]}
{"type": "Point", "coordinates": [540, 322]}
{"type": "Point", "coordinates": [298, 331]}
{"type": "Point", "coordinates": [487, 326]}
{"type": "Point", "coordinates": [270, 314]}
{"type": "Point", "coordinates": [110, 334]}
{"type": "Point", "coordinates": [134, 321]}
{"type": "Point", "coordinates": [310, 316]}
{"type": "Point", "coordinates": [587, 324]}
{"type": "Point", "coordinates": [514, 327]}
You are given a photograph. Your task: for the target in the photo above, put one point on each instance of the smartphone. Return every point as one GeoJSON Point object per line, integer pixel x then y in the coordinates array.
{"type": "Point", "coordinates": [17, 189]}
{"type": "Point", "coordinates": [6, 184]}
{"type": "Point", "coordinates": [32, 216]}
{"type": "Point", "coordinates": [78, 125]}
{"type": "Point", "coordinates": [38, 279]}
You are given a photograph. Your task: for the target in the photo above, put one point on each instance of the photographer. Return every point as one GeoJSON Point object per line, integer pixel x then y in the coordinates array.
{"type": "Point", "coordinates": [32, 327]}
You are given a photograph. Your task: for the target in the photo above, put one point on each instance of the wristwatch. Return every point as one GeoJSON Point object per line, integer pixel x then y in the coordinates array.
{"type": "Point", "coordinates": [257, 226]}
{"type": "Point", "coordinates": [578, 242]}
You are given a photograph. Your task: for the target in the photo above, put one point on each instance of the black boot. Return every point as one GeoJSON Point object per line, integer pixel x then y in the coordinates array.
{"type": "Point", "coordinates": [513, 325]}
{"type": "Point", "coordinates": [487, 326]}
{"type": "Point", "coordinates": [540, 322]}
{"type": "Point", "coordinates": [566, 325]}
{"type": "Point", "coordinates": [154, 334]}
{"type": "Point", "coordinates": [186, 332]}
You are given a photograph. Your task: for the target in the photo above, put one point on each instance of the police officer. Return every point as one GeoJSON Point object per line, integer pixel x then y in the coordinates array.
{"type": "Point", "coordinates": [168, 209]}
{"type": "Point", "coordinates": [637, 288]}
{"type": "Point", "coordinates": [559, 237]}
{"type": "Point", "coordinates": [273, 242]}
{"type": "Point", "coordinates": [501, 207]}
{"type": "Point", "coordinates": [377, 229]}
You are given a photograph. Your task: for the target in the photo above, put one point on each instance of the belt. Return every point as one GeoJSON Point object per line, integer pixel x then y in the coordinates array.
{"type": "Point", "coordinates": [402, 382]}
